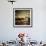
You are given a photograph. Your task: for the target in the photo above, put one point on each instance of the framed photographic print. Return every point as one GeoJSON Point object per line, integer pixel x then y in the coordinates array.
{"type": "Point", "coordinates": [22, 17]}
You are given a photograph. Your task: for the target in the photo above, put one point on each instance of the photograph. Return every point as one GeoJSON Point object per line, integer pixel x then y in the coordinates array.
{"type": "Point", "coordinates": [22, 17]}
{"type": "Point", "coordinates": [22, 22]}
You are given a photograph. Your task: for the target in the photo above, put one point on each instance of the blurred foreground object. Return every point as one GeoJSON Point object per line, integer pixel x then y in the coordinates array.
{"type": "Point", "coordinates": [21, 36]}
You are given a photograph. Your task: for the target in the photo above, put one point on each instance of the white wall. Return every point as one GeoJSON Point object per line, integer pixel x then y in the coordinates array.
{"type": "Point", "coordinates": [37, 32]}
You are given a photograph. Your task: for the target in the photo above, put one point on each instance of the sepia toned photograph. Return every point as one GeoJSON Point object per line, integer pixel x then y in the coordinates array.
{"type": "Point", "coordinates": [22, 17]}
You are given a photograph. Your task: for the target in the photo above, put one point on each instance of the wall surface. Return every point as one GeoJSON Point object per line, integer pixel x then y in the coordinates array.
{"type": "Point", "coordinates": [37, 32]}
